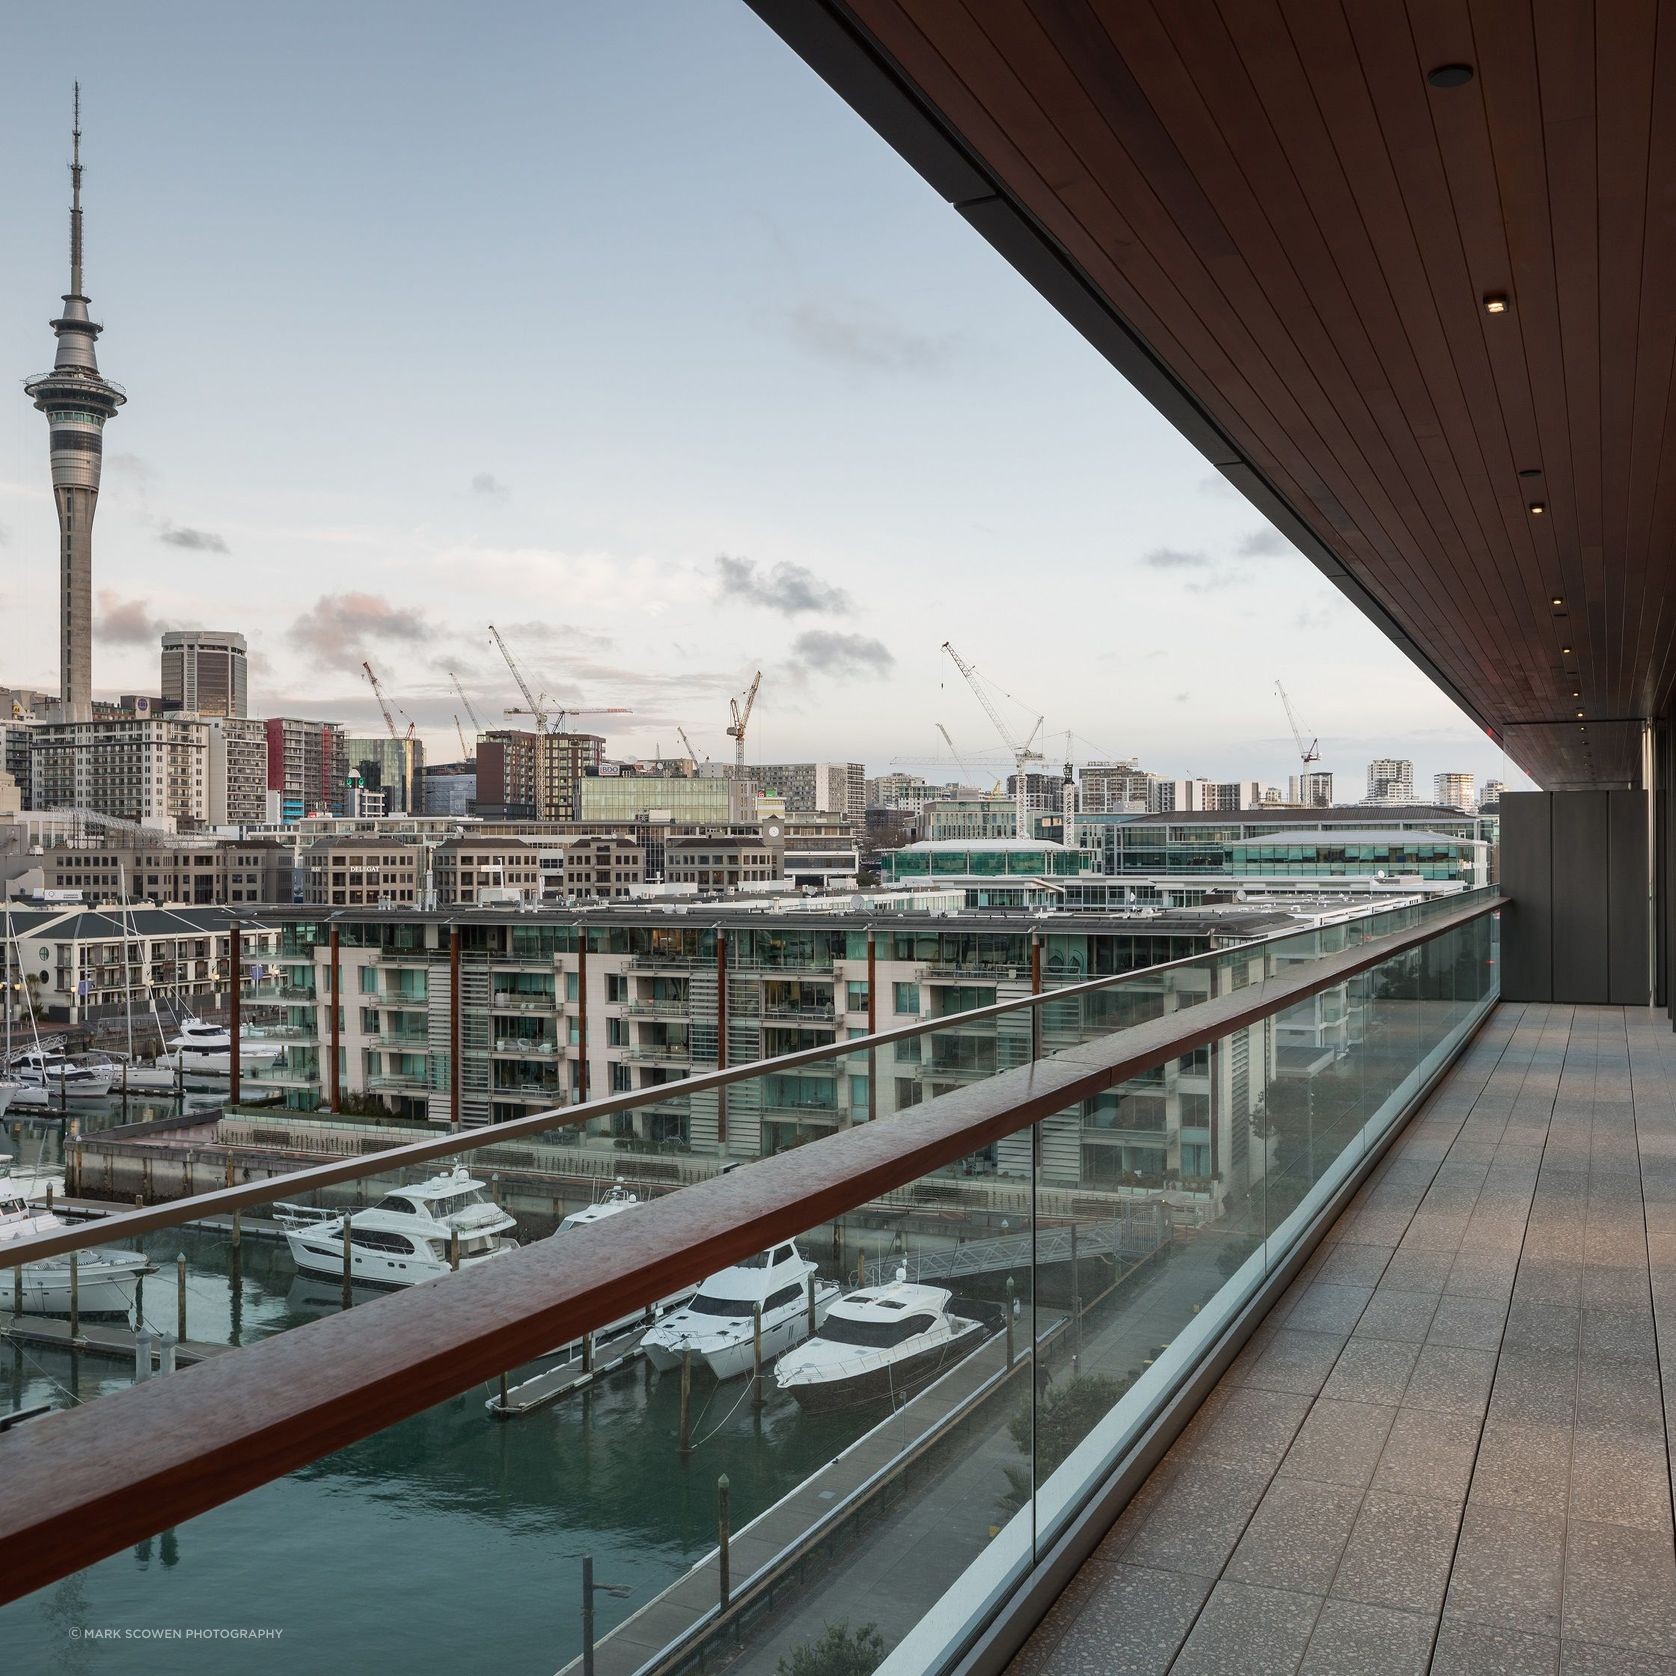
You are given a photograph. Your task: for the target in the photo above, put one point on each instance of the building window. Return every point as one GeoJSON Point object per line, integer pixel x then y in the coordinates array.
{"type": "Point", "coordinates": [855, 997]}
{"type": "Point", "coordinates": [905, 998]}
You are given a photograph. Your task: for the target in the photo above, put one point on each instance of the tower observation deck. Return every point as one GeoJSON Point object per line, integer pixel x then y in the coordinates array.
{"type": "Point", "coordinates": [77, 400]}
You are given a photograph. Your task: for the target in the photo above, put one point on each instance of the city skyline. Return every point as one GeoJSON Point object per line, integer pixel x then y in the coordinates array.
{"type": "Point", "coordinates": [811, 436]}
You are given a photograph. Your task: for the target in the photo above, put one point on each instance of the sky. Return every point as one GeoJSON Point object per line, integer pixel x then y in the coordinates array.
{"type": "Point", "coordinates": [613, 326]}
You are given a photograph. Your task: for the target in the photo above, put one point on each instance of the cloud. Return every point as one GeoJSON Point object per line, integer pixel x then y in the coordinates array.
{"type": "Point", "coordinates": [1182, 698]}
{"type": "Point", "coordinates": [196, 541]}
{"type": "Point", "coordinates": [486, 483]}
{"type": "Point", "coordinates": [126, 622]}
{"type": "Point", "coordinates": [1218, 581]}
{"type": "Point", "coordinates": [1263, 544]}
{"type": "Point", "coordinates": [788, 588]}
{"type": "Point", "coordinates": [336, 630]}
{"type": "Point", "coordinates": [857, 334]}
{"type": "Point", "coordinates": [841, 655]}
{"type": "Point", "coordinates": [1173, 558]}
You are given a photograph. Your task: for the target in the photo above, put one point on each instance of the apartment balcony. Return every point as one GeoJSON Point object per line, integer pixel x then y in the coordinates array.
{"type": "Point", "coordinates": [400, 1082]}
{"type": "Point", "coordinates": [813, 1018]}
{"type": "Point", "coordinates": [515, 1001]}
{"type": "Point", "coordinates": [523, 1047]}
{"type": "Point", "coordinates": [661, 1053]}
{"type": "Point", "coordinates": [1199, 1313]}
{"type": "Point", "coordinates": [659, 1009]}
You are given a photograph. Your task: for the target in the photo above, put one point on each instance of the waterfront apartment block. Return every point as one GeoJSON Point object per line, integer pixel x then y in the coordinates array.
{"type": "Point", "coordinates": [154, 770]}
{"type": "Point", "coordinates": [543, 1010]}
{"type": "Point", "coordinates": [361, 872]}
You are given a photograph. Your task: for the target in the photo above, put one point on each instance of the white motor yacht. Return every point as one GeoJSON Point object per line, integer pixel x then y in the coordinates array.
{"type": "Point", "coordinates": [49, 1069]}
{"type": "Point", "coordinates": [883, 1342]}
{"type": "Point", "coordinates": [105, 1280]}
{"type": "Point", "coordinates": [8, 1092]}
{"type": "Point", "coordinates": [33, 1182]}
{"type": "Point", "coordinates": [717, 1322]}
{"type": "Point", "coordinates": [406, 1237]}
{"type": "Point", "coordinates": [617, 1200]}
{"type": "Point", "coordinates": [208, 1049]}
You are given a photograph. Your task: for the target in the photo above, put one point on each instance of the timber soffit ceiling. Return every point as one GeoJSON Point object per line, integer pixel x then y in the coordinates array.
{"type": "Point", "coordinates": [1406, 274]}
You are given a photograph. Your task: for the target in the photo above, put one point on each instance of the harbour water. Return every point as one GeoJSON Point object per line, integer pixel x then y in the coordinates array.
{"type": "Point", "coordinates": [449, 1543]}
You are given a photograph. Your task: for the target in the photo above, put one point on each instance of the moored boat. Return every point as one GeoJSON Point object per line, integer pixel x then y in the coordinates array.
{"type": "Point", "coordinates": [105, 1281]}
{"type": "Point", "coordinates": [882, 1343]}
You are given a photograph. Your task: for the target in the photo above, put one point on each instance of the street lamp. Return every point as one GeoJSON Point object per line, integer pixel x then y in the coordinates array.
{"type": "Point", "coordinates": [589, 1589]}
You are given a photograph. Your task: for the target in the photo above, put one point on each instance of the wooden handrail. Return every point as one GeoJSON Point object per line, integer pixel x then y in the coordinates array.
{"type": "Point", "coordinates": [85, 1482]}
{"type": "Point", "coordinates": [128, 1225]}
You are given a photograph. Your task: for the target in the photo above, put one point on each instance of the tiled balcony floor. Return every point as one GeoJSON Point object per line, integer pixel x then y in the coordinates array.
{"type": "Point", "coordinates": [1446, 1449]}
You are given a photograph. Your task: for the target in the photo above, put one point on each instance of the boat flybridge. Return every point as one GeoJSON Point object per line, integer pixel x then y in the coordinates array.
{"type": "Point", "coordinates": [406, 1237]}
{"type": "Point", "coordinates": [717, 1323]}
{"type": "Point", "coordinates": [879, 1343]}
{"type": "Point", "coordinates": [106, 1281]}
{"type": "Point", "coordinates": [617, 1200]}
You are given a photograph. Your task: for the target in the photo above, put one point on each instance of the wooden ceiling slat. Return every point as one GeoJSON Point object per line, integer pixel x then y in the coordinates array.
{"type": "Point", "coordinates": [1302, 229]}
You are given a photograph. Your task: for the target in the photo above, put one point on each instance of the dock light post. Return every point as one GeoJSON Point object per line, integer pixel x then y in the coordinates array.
{"type": "Point", "coordinates": [589, 1589]}
{"type": "Point", "coordinates": [346, 1259]}
{"type": "Point", "coordinates": [756, 1356]}
{"type": "Point", "coordinates": [180, 1297]}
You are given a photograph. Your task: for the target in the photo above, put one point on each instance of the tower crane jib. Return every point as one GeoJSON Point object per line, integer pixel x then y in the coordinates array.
{"type": "Point", "coordinates": [1023, 751]}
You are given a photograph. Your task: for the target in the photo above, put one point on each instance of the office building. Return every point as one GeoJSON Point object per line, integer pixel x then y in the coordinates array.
{"type": "Point", "coordinates": [356, 872]}
{"type": "Point", "coordinates": [1454, 791]}
{"type": "Point", "coordinates": [1390, 780]}
{"type": "Point", "coordinates": [394, 766]}
{"type": "Point", "coordinates": [205, 672]}
{"type": "Point", "coordinates": [473, 869]}
{"type": "Point", "coordinates": [308, 767]}
{"type": "Point", "coordinates": [629, 798]}
{"type": "Point", "coordinates": [450, 788]}
{"type": "Point", "coordinates": [78, 402]}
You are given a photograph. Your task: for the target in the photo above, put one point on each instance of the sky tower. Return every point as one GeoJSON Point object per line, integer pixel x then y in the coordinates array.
{"type": "Point", "coordinates": [77, 401]}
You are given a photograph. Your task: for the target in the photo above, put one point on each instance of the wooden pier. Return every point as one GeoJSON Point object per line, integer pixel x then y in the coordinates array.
{"type": "Point", "coordinates": [573, 1374]}
{"type": "Point", "coordinates": [96, 1338]}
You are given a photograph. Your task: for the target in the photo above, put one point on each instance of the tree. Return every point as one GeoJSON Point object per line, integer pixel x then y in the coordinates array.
{"type": "Point", "coordinates": [1065, 1415]}
{"type": "Point", "coordinates": [838, 1651]}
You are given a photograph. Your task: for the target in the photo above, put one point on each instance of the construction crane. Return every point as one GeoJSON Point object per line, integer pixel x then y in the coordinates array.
{"type": "Point", "coordinates": [1306, 753]}
{"type": "Point", "coordinates": [741, 720]}
{"type": "Point", "coordinates": [965, 774]}
{"type": "Point", "coordinates": [465, 755]}
{"type": "Point", "coordinates": [383, 703]}
{"type": "Point", "coordinates": [1023, 751]}
{"type": "Point", "coordinates": [548, 717]}
{"type": "Point", "coordinates": [692, 755]}
{"type": "Point", "coordinates": [476, 726]}
{"type": "Point", "coordinates": [532, 706]}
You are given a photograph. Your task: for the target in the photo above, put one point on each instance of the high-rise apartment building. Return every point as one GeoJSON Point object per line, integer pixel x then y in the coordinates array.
{"type": "Point", "coordinates": [77, 401]}
{"type": "Point", "coordinates": [154, 770]}
{"type": "Point", "coordinates": [238, 769]}
{"type": "Point", "coordinates": [1490, 796]}
{"type": "Point", "coordinates": [307, 766]}
{"type": "Point", "coordinates": [562, 761]}
{"type": "Point", "coordinates": [537, 776]}
{"type": "Point", "coordinates": [205, 673]}
{"type": "Point", "coordinates": [1454, 791]}
{"type": "Point", "coordinates": [1313, 790]}
{"type": "Point", "coordinates": [1112, 787]}
{"type": "Point", "coordinates": [1390, 780]}
{"type": "Point", "coordinates": [834, 788]}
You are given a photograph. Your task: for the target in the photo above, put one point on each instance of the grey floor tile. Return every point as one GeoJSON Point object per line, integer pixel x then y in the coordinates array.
{"type": "Point", "coordinates": [1525, 1465]}
{"type": "Point", "coordinates": [1354, 1639]}
{"type": "Point", "coordinates": [1620, 1587]}
{"type": "Point", "coordinates": [1535, 1385]}
{"type": "Point", "coordinates": [1135, 1621]}
{"type": "Point", "coordinates": [1428, 1454]}
{"type": "Point", "coordinates": [1196, 1524]}
{"type": "Point", "coordinates": [1580, 1658]}
{"type": "Point", "coordinates": [1418, 1271]}
{"type": "Point", "coordinates": [1352, 1264]}
{"type": "Point", "coordinates": [1140, 1507]}
{"type": "Point", "coordinates": [1329, 1309]}
{"type": "Point", "coordinates": [1295, 1361]}
{"type": "Point", "coordinates": [1399, 1553]}
{"type": "Point", "coordinates": [1297, 1536]}
{"type": "Point", "coordinates": [1397, 1315]}
{"type": "Point", "coordinates": [1473, 1650]}
{"type": "Point", "coordinates": [1246, 1630]}
{"type": "Point", "coordinates": [1468, 1323]}
{"type": "Point", "coordinates": [1619, 1481]}
{"type": "Point", "coordinates": [1616, 1285]}
{"type": "Point", "coordinates": [1482, 1274]}
{"type": "Point", "coordinates": [1372, 1370]}
{"type": "Point", "coordinates": [1619, 1335]}
{"type": "Point", "coordinates": [1251, 1427]}
{"type": "Point", "coordinates": [1509, 1569]}
{"type": "Point", "coordinates": [1339, 1443]}
{"type": "Point", "coordinates": [1549, 1280]}
{"type": "Point", "coordinates": [1539, 1326]}
{"type": "Point", "coordinates": [1450, 1380]}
